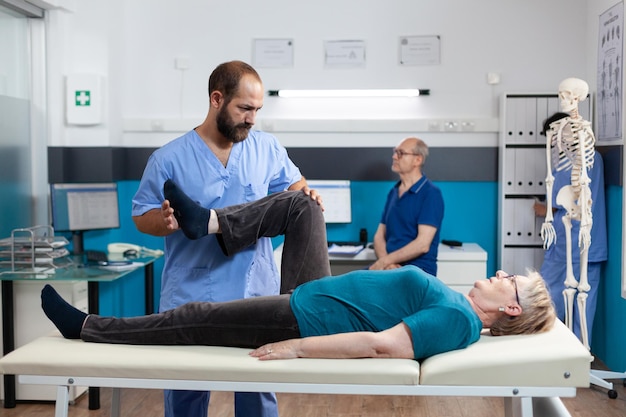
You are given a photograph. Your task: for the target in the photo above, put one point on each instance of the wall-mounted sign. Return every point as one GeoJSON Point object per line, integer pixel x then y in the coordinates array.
{"type": "Point", "coordinates": [420, 50]}
{"type": "Point", "coordinates": [344, 53]}
{"type": "Point", "coordinates": [272, 53]}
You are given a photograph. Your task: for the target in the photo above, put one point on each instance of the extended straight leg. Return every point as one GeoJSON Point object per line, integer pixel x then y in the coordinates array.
{"type": "Point", "coordinates": [248, 323]}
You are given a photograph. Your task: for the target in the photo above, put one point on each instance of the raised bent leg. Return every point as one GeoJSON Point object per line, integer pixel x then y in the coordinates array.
{"type": "Point", "coordinates": [289, 213]}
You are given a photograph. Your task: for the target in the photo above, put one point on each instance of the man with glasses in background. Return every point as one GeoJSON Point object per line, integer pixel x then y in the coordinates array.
{"type": "Point", "coordinates": [408, 233]}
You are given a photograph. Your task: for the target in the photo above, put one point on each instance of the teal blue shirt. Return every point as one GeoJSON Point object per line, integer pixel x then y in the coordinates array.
{"type": "Point", "coordinates": [440, 319]}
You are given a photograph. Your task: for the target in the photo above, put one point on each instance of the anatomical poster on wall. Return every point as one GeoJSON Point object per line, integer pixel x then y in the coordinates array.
{"type": "Point", "coordinates": [610, 69]}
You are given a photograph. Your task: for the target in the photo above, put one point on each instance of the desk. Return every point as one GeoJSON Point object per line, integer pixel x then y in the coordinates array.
{"type": "Point", "coordinates": [73, 272]}
{"type": "Point", "coordinates": [457, 267]}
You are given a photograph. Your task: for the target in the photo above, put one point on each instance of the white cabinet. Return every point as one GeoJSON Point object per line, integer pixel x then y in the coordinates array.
{"type": "Point", "coordinates": [31, 323]}
{"type": "Point", "coordinates": [522, 174]}
{"type": "Point", "coordinates": [458, 267]}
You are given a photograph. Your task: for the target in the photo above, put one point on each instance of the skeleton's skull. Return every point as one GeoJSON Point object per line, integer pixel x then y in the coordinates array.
{"type": "Point", "coordinates": [571, 92]}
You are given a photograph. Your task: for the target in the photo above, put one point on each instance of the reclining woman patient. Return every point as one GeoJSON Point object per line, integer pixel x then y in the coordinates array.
{"type": "Point", "coordinates": [401, 313]}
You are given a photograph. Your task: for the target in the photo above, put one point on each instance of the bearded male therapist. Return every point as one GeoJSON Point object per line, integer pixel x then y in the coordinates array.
{"type": "Point", "coordinates": [220, 163]}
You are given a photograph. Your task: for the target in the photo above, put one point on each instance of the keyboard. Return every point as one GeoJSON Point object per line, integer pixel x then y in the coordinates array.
{"type": "Point", "coordinates": [95, 256]}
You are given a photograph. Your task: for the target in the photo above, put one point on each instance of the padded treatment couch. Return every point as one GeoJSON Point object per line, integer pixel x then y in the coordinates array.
{"type": "Point", "coordinates": [530, 372]}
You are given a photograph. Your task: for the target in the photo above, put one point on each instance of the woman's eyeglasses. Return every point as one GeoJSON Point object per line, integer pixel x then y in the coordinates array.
{"type": "Point", "coordinates": [513, 279]}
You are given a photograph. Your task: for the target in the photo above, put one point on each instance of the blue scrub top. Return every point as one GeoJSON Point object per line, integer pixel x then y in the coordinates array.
{"type": "Point", "coordinates": [197, 270]}
{"type": "Point", "coordinates": [598, 251]}
{"type": "Point", "coordinates": [421, 204]}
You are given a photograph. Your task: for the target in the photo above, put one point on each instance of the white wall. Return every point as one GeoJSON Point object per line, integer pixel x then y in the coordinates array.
{"type": "Point", "coordinates": [533, 44]}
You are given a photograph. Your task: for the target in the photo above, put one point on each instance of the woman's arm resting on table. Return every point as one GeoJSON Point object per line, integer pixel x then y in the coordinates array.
{"type": "Point", "coordinates": [391, 343]}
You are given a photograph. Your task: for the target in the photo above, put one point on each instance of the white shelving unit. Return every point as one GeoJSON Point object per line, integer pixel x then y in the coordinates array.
{"type": "Point", "coordinates": [522, 175]}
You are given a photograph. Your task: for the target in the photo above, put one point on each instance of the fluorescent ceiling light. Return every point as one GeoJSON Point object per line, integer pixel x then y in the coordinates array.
{"type": "Point", "coordinates": [410, 92]}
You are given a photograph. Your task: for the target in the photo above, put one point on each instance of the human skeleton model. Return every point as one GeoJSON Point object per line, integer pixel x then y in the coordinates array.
{"type": "Point", "coordinates": [570, 143]}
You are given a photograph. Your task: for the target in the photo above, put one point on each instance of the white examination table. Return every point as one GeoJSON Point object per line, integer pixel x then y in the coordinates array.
{"type": "Point", "coordinates": [529, 372]}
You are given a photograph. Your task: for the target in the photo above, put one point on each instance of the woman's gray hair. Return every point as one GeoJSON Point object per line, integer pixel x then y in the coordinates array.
{"type": "Point", "coordinates": [538, 312]}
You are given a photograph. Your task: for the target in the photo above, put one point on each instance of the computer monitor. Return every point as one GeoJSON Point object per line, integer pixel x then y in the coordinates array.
{"type": "Point", "coordinates": [81, 207]}
{"type": "Point", "coordinates": [337, 199]}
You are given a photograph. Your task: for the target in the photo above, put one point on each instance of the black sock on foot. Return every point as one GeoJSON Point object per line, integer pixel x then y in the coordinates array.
{"type": "Point", "coordinates": [68, 319]}
{"type": "Point", "coordinates": [192, 219]}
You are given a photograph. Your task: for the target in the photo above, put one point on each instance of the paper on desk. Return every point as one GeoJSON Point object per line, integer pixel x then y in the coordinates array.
{"type": "Point", "coordinates": [125, 267]}
{"type": "Point", "coordinates": [335, 249]}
